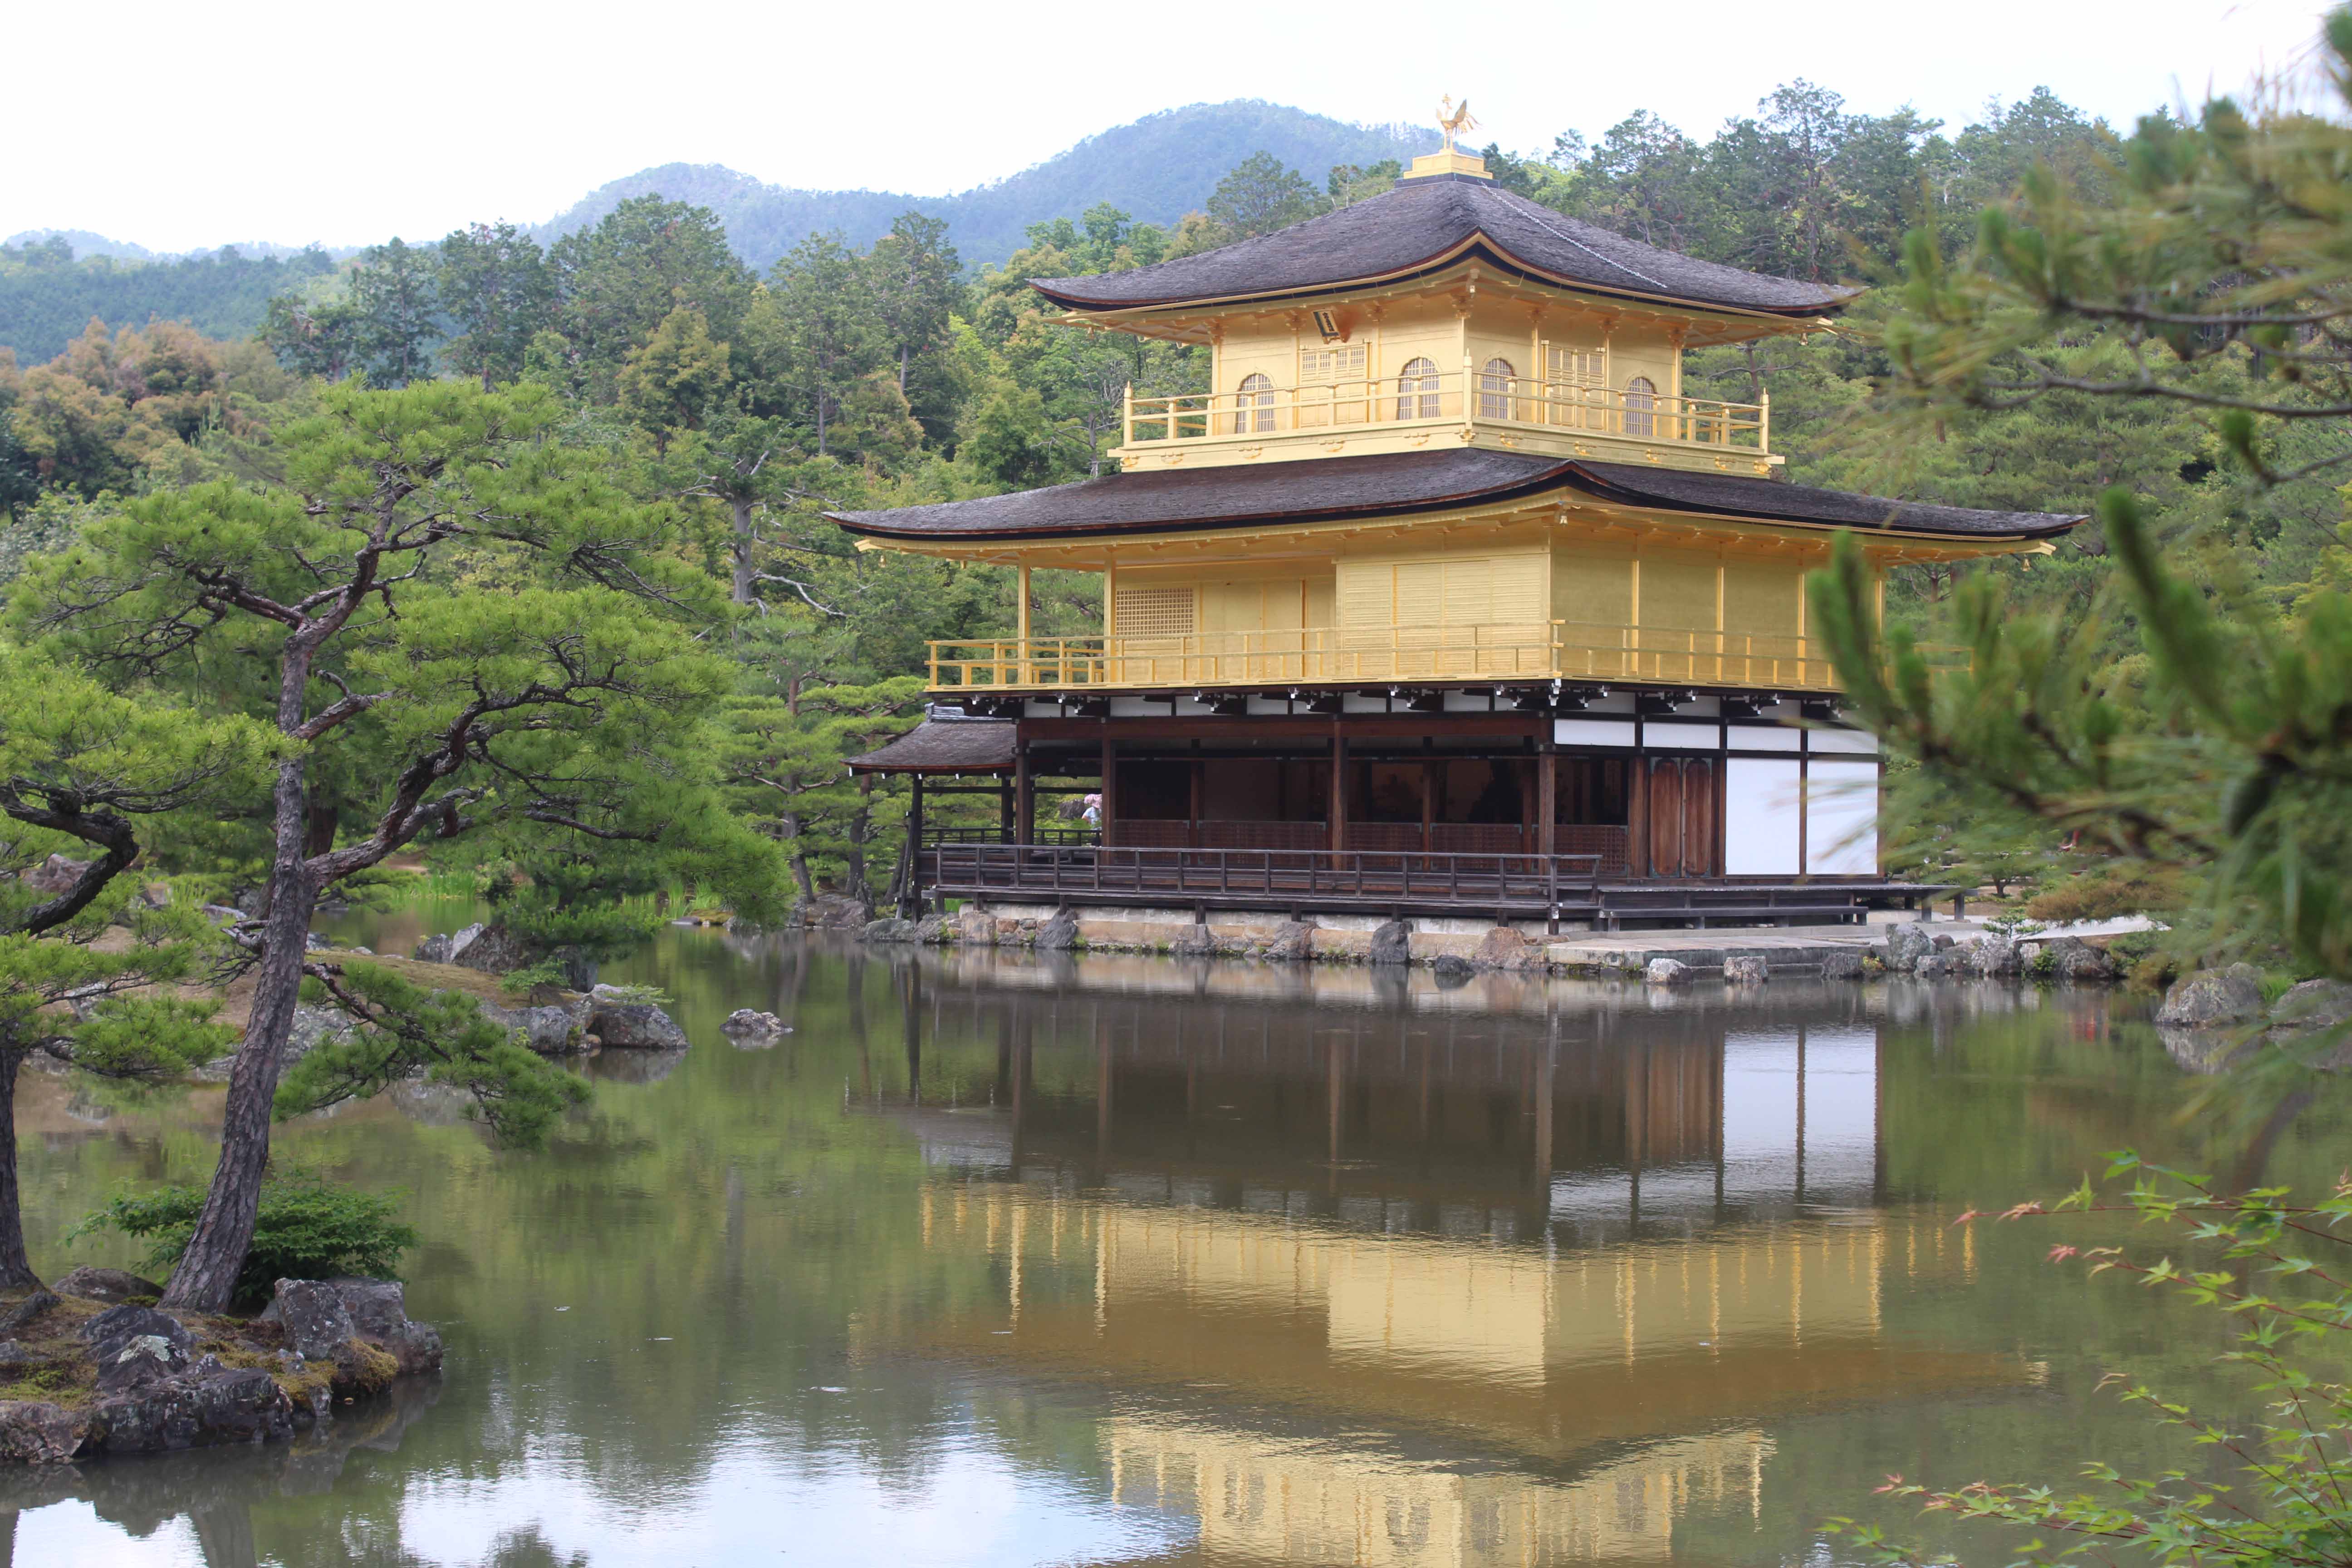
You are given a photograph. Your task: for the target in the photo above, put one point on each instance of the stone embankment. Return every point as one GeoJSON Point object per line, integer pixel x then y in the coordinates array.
{"type": "Point", "coordinates": [90, 1368]}
{"type": "Point", "coordinates": [1461, 947]}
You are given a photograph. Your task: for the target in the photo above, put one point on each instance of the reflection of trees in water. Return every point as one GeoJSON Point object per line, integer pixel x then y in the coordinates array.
{"type": "Point", "coordinates": [218, 1489]}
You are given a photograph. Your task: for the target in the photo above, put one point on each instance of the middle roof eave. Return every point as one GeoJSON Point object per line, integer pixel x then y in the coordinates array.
{"type": "Point", "coordinates": [1307, 490]}
{"type": "Point", "coordinates": [1399, 484]}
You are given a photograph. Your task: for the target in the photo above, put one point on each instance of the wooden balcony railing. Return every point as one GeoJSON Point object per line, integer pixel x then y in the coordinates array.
{"type": "Point", "coordinates": [1539, 651]}
{"type": "Point", "coordinates": [1458, 396]}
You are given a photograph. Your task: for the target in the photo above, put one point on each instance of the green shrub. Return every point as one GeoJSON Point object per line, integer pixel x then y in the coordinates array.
{"type": "Point", "coordinates": [309, 1228]}
{"type": "Point", "coordinates": [2275, 1270]}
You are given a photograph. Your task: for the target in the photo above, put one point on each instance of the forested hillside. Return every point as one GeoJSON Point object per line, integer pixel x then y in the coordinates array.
{"type": "Point", "coordinates": [48, 292]}
{"type": "Point", "coordinates": [887, 372]}
{"type": "Point", "coordinates": [1157, 169]}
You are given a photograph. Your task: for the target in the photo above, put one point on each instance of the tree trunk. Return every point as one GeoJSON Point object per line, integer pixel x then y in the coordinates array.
{"type": "Point", "coordinates": [902, 370]}
{"type": "Point", "coordinates": [16, 1268]}
{"type": "Point", "coordinates": [209, 1270]}
{"type": "Point", "coordinates": [801, 878]}
{"type": "Point", "coordinates": [319, 831]}
{"type": "Point", "coordinates": [857, 822]}
{"type": "Point", "coordinates": [742, 593]}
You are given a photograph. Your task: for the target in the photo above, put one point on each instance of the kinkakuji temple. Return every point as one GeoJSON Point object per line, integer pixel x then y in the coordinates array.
{"type": "Point", "coordinates": [1445, 599]}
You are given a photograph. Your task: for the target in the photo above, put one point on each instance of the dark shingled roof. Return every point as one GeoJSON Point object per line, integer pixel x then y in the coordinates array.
{"type": "Point", "coordinates": [1390, 484]}
{"type": "Point", "coordinates": [1216, 498]}
{"type": "Point", "coordinates": [1427, 223]}
{"type": "Point", "coordinates": [944, 746]}
{"type": "Point", "coordinates": [1774, 501]}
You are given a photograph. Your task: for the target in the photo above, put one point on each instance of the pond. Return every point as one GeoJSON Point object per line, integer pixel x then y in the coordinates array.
{"type": "Point", "coordinates": [998, 1260]}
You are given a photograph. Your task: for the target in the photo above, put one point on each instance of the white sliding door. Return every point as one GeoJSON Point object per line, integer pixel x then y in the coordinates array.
{"type": "Point", "coordinates": [1762, 805]}
{"type": "Point", "coordinates": [1841, 817]}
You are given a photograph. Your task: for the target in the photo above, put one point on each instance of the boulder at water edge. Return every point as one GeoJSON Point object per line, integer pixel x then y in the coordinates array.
{"type": "Point", "coordinates": [616, 1021]}
{"type": "Point", "coordinates": [890, 927]}
{"type": "Point", "coordinates": [752, 1030]}
{"type": "Point", "coordinates": [1058, 934]}
{"type": "Point", "coordinates": [1505, 948]}
{"type": "Point", "coordinates": [1745, 969]}
{"type": "Point", "coordinates": [1667, 971]}
{"type": "Point", "coordinates": [1845, 964]}
{"type": "Point", "coordinates": [1992, 955]}
{"type": "Point", "coordinates": [1392, 943]}
{"type": "Point", "coordinates": [552, 1029]}
{"type": "Point", "coordinates": [1906, 944]}
{"type": "Point", "coordinates": [1292, 942]}
{"type": "Point", "coordinates": [2213, 999]}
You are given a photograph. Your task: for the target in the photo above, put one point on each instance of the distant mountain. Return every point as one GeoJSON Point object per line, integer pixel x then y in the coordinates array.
{"type": "Point", "coordinates": [1156, 170]}
{"type": "Point", "coordinates": [84, 243]}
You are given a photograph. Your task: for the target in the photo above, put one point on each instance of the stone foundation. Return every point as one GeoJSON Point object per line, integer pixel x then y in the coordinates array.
{"type": "Point", "coordinates": [1838, 952]}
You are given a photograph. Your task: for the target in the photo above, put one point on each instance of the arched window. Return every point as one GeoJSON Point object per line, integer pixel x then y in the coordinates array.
{"type": "Point", "coordinates": [1253, 405]}
{"type": "Point", "coordinates": [1494, 390]}
{"type": "Point", "coordinates": [1641, 397]}
{"type": "Point", "coordinates": [1417, 391]}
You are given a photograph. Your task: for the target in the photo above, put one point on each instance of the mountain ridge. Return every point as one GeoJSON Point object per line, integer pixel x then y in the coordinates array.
{"type": "Point", "coordinates": [1155, 169]}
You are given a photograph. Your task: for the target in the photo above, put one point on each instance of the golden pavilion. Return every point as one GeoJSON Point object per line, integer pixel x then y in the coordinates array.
{"type": "Point", "coordinates": [1444, 598]}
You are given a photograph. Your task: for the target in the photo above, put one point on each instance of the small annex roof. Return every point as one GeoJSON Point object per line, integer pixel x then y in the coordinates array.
{"type": "Point", "coordinates": [1399, 484]}
{"type": "Point", "coordinates": [1424, 225]}
{"type": "Point", "coordinates": [942, 745]}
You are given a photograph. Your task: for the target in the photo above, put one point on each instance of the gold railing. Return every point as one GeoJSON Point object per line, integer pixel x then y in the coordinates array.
{"type": "Point", "coordinates": [1535, 651]}
{"type": "Point", "coordinates": [1456, 396]}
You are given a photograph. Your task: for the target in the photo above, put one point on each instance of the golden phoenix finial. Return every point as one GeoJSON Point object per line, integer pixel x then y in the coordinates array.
{"type": "Point", "coordinates": [1452, 121]}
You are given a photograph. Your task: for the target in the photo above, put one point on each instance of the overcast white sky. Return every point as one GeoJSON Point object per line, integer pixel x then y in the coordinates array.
{"type": "Point", "coordinates": [177, 126]}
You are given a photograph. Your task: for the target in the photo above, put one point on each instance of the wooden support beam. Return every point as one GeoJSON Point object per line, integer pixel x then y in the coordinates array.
{"type": "Point", "coordinates": [1025, 795]}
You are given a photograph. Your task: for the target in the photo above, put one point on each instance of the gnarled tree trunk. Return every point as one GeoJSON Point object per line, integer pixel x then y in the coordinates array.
{"type": "Point", "coordinates": [16, 1266]}
{"type": "Point", "coordinates": [207, 1272]}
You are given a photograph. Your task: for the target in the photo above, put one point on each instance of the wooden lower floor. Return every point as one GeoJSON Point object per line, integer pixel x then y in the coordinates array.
{"type": "Point", "coordinates": [1686, 807]}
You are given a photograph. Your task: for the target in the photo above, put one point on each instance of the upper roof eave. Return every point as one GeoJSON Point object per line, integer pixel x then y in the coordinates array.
{"type": "Point", "coordinates": [1479, 245]}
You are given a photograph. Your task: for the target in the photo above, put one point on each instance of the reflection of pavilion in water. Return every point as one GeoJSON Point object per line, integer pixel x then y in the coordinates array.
{"type": "Point", "coordinates": [1579, 1260]}
{"type": "Point", "coordinates": [1572, 1125]}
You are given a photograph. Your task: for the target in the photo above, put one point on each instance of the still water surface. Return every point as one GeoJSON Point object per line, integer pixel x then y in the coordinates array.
{"type": "Point", "coordinates": [1111, 1261]}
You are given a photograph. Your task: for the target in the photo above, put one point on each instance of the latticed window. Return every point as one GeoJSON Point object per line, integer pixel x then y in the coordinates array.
{"type": "Point", "coordinates": [1153, 612]}
{"type": "Point", "coordinates": [1253, 405]}
{"type": "Point", "coordinates": [1494, 389]}
{"type": "Point", "coordinates": [1641, 397]}
{"type": "Point", "coordinates": [1417, 391]}
{"type": "Point", "coordinates": [1339, 363]}
{"type": "Point", "coordinates": [1568, 366]}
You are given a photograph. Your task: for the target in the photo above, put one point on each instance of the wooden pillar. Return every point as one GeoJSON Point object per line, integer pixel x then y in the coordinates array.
{"type": "Point", "coordinates": [1546, 802]}
{"type": "Point", "coordinates": [1192, 808]}
{"type": "Point", "coordinates": [1338, 788]}
{"type": "Point", "coordinates": [1431, 775]}
{"type": "Point", "coordinates": [914, 889]}
{"type": "Point", "coordinates": [1025, 795]}
{"type": "Point", "coordinates": [1110, 786]}
{"type": "Point", "coordinates": [1637, 815]}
